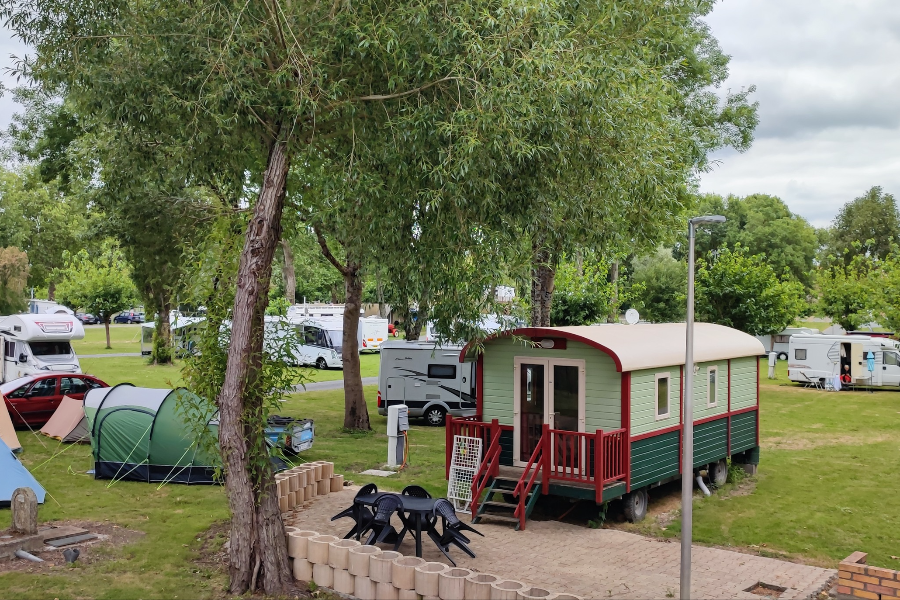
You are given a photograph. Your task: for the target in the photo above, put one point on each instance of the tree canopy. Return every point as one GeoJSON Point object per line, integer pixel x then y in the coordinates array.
{"type": "Point", "coordinates": [868, 225]}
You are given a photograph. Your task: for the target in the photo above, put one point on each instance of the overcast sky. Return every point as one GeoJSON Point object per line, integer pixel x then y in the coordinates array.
{"type": "Point", "coordinates": [827, 74]}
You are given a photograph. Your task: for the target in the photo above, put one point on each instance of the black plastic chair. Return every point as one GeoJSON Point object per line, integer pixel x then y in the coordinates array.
{"type": "Point", "coordinates": [358, 512]}
{"type": "Point", "coordinates": [380, 525]}
{"type": "Point", "coordinates": [415, 491]}
{"type": "Point", "coordinates": [452, 530]}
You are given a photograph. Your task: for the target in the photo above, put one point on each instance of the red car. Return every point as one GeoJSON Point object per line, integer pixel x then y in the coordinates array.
{"type": "Point", "coordinates": [34, 399]}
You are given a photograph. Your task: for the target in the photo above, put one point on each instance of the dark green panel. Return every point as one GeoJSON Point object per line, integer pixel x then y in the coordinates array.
{"type": "Point", "coordinates": [743, 431]}
{"type": "Point", "coordinates": [506, 448]}
{"type": "Point", "coordinates": [653, 459]}
{"type": "Point", "coordinates": [710, 441]}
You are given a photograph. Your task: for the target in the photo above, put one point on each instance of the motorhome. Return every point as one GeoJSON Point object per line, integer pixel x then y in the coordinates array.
{"type": "Point", "coordinates": [426, 377]}
{"type": "Point", "coordinates": [373, 332]}
{"type": "Point", "coordinates": [184, 332]}
{"type": "Point", "coordinates": [779, 343]}
{"type": "Point", "coordinates": [321, 341]}
{"type": "Point", "coordinates": [821, 358]}
{"type": "Point", "coordinates": [47, 307]}
{"type": "Point", "coordinates": [36, 344]}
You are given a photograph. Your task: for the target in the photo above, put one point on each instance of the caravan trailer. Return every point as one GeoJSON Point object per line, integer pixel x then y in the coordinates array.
{"type": "Point", "coordinates": [373, 332]}
{"type": "Point", "coordinates": [37, 344]}
{"type": "Point", "coordinates": [823, 357]}
{"type": "Point", "coordinates": [427, 378]}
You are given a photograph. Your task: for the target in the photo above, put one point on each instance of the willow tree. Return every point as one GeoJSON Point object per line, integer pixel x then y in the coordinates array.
{"type": "Point", "coordinates": [424, 98]}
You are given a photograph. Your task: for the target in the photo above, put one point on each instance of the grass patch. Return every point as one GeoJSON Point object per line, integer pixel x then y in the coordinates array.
{"type": "Point", "coordinates": [122, 338]}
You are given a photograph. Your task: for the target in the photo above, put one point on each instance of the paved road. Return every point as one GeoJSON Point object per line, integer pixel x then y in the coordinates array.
{"type": "Point", "coordinates": [336, 384]}
{"type": "Point", "coordinates": [592, 563]}
{"type": "Point", "coordinates": [110, 355]}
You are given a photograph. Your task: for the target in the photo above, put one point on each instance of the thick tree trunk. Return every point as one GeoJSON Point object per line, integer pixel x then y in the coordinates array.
{"type": "Point", "coordinates": [543, 277]}
{"type": "Point", "coordinates": [257, 552]}
{"type": "Point", "coordinates": [613, 316]}
{"type": "Point", "coordinates": [162, 345]}
{"type": "Point", "coordinates": [290, 277]}
{"type": "Point", "coordinates": [51, 291]}
{"type": "Point", "coordinates": [356, 414]}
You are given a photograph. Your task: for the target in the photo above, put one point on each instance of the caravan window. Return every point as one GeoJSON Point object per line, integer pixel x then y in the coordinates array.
{"type": "Point", "coordinates": [10, 349]}
{"type": "Point", "coordinates": [782, 339]}
{"type": "Point", "coordinates": [891, 358]}
{"type": "Point", "coordinates": [50, 348]}
{"type": "Point", "coordinates": [441, 371]}
{"type": "Point", "coordinates": [662, 395]}
{"type": "Point", "coordinates": [712, 388]}
{"type": "Point", "coordinates": [800, 353]}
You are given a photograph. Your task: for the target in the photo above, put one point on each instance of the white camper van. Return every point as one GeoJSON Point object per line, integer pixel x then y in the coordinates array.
{"type": "Point", "coordinates": [373, 332]}
{"type": "Point", "coordinates": [48, 307]}
{"type": "Point", "coordinates": [779, 343]}
{"type": "Point", "coordinates": [322, 341]}
{"type": "Point", "coordinates": [427, 378]}
{"type": "Point", "coordinates": [36, 344]}
{"type": "Point", "coordinates": [823, 357]}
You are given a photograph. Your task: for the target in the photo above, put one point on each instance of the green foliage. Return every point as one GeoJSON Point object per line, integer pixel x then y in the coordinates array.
{"type": "Point", "coordinates": [764, 225]}
{"type": "Point", "coordinates": [13, 277]}
{"type": "Point", "coordinates": [744, 292]}
{"type": "Point", "coordinates": [278, 306]}
{"type": "Point", "coordinates": [585, 298]}
{"type": "Point", "coordinates": [99, 285]}
{"type": "Point", "coordinates": [868, 225]}
{"type": "Point", "coordinates": [848, 293]}
{"type": "Point", "coordinates": [663, 281]}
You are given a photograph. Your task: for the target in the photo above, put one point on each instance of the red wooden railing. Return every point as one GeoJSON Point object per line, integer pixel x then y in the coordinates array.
{"type": "Point", "coordinates": [488, 469]}
{"type": "Point", "coordinates": [523, 487]}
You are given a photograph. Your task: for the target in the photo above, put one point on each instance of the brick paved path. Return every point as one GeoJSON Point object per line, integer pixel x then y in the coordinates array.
{"type": "Point", "coordinates": [592, 563]}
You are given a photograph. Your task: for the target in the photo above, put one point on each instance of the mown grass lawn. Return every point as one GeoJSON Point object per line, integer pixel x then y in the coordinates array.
{"type": "Point", "coordinates": [123, 338]}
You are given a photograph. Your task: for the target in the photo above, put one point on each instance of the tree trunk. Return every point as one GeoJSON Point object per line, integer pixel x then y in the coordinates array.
{"type": "Point", "coordinates": [257, 552]}
{"type": "Point", "coordinates": [162, 345]}
{"type": "Point", "coordinates": [290, 277]}
{"type": "Point", "coordinates": [356, 414]}
{"type": "Point", "coordinates": [106, 323]}
{"type": "Point", "coordinates": [543, 277]}
{"type": "Point", "coordinates": [51, 291]}
{"type": "Point", "coordinates": [613, 316]}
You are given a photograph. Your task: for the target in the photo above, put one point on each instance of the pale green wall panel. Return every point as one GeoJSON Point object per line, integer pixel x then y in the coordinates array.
{"type": "Point", "coordinates": [743, 382]}
{"type": "Point", "coordinates": [643, 400]}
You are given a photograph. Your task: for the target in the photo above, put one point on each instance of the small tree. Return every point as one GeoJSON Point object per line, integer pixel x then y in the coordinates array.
{"type": "Point", "coordinates": [664, 282]}
{"type": "Point", "coordinates": [13, 277]}
{"type": "Point", "coordinates": [744, 292]}
{"type": "Point", "coordinates": [100, 285]}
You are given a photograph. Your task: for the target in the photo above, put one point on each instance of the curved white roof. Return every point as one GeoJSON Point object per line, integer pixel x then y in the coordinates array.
{"type": "Point", "coordinates": [31, 327]}
{"type": "Point", "coordinates": [649, 346]}
{"type": "Point", "coordinates": [126, 395]}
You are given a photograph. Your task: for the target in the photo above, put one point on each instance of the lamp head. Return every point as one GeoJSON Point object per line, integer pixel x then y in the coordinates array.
{"type": "Point", "coordinates": [707, 220]}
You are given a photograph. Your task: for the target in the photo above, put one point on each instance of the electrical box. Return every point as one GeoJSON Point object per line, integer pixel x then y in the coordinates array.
{"type": "Point", "coordinates": [397, 423]}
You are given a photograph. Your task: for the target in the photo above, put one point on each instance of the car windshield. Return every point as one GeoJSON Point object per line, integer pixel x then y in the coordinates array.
{"type": "Point", "coordinates": [337, 339]}
{"type": "Point", "coordinates": [50, 348]}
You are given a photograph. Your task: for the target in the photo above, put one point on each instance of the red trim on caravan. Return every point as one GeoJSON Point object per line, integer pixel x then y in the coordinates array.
{"type": "Point", "coordinates": [651, 434]}
{"type": "Point", "coordinates": [728, 426]}
{"type": "Point", "coordinates": [741, 411]}
{"type": "Point", "coordinates": [625, 421]}
{"type": "Point", "coordinates": [757, 402]}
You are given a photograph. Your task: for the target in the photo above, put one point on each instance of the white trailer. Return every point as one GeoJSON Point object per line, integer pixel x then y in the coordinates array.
{"type": "Point", "coordinates": [823, 357]}
{"type": "Point", "coordinates": [426, 377]}
{"type": "Point", "coordinates": [38, 344]}
{"type": "Point", "coordinates": [779, 343]}
{"type": "Point", "coordinates": [373, 332]}
{"type": "Point", "coordinates": [315, 310]}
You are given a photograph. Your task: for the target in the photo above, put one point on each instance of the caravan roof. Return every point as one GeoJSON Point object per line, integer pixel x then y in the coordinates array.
{"type": "Point", "coordinates": [42, 327]}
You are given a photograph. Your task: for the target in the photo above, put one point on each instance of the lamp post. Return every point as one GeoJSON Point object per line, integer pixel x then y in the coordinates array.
{"type": "Point", "coordinates": [687, 461]}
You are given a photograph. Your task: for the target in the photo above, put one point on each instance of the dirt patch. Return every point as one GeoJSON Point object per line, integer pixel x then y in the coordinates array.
{"type": "Point", "coordinates": [109, 536]}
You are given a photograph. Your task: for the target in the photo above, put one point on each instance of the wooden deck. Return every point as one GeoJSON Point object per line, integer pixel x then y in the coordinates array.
{"type": "Point", "coordinates": [582, 490]}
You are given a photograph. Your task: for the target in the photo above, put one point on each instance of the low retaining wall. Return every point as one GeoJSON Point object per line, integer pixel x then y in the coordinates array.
{"type": "Point", "coordinates": [857, 580]}
{"type": "Point", "coordinates": [300, 485]}
{"type": "Point", "coordinates": [370, 573]}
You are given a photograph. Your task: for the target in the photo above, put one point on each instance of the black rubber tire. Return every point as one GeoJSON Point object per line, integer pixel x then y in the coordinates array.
{"type": "Point", "coordinates": [782, 356]}
{"type": "Point", "coordinates": [321, 364]}
{"type": "Point", "coordinates": [718, 473]}
{"type": "Point", "coordinates": [435, 416]}
{"type": "Point", "coordinates": [636, 505]}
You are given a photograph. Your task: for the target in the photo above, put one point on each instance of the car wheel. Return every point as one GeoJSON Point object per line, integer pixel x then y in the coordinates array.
{"type": "Point", "coordinates": [718, 473]}
{"type": "Point", "coordinates": [782, 356]}
{"type": "Point", "coordinates": [321, 364]}
{"type": "Point", "coordinates": [435, 416]}
{"type": "Point", "coordinates": [636, 505]}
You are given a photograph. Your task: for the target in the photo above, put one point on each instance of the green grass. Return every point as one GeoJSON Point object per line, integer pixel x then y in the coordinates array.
{"type": "Point", "coordinates": [827, 483]}
{"type": "Point", "coordinates": [123, 338]}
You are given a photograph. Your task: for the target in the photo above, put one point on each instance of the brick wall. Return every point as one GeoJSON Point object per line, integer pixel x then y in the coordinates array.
{"type": "Point", "coordinates": [857, 580]}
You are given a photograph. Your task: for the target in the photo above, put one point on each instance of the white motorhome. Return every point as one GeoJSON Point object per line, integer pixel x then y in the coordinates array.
{"type": "Point", "coordinates": [321, 341]}
{"type": "Point", "coordinates": [184, 331]}
{"type": "Point", "coordinates": [426, 377]}
{"type": "Point", "coordinates": [779, 343]}
{"type": "Point", "coordinates": [48, 307]}
{"type": "Point", "coordinates": [373, 332]}
{"type": "Point", "coordinates": [822, 357]}
{"type": "Point", "coordinates": [36, 344]}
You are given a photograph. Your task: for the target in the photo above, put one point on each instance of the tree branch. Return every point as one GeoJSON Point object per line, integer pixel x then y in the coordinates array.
{"type": "Point", "coordinates": [380, 97]}
{"type": "Point", "coordinates": [323, 243]}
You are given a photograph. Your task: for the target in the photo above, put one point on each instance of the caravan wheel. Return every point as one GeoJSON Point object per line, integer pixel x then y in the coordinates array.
{"type": "Point", "coordinates": [782, 356]}
{"type": "Point", "coordinates": [636, 505]}
{"type": "Point", "coordinates": [718, 472]}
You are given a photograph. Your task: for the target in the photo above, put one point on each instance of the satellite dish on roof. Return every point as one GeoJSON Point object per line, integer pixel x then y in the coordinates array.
{"type": "Point", "coordinates": [632, 316]}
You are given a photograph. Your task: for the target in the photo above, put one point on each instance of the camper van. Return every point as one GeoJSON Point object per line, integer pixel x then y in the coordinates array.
{"type": "Point", "coordinates": [36, 344]}
{"type": "Point", "coordinates": [322, 340]}
{"type": "Point", "coordinates": [779, 343]}
{"type": "Point", "coordinates": [427, 378]}
{"type": "Point", "coordinates": [373, 332]}
{"type": "Point", "coordinates": [823, 357]}
{"type": "Point", "coordinates": [48, 307]}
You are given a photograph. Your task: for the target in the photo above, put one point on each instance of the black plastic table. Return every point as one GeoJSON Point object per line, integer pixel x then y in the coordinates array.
{"type": "Point", "coordinates": [418, 509]}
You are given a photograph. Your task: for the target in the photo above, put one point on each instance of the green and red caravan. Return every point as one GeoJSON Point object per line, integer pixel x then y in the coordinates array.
{"type": "Point", "coordinates": [595, 412]}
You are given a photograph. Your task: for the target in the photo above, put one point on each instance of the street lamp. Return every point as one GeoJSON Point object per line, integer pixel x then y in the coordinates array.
{"type": "Point", "coordinates": [687, 461]}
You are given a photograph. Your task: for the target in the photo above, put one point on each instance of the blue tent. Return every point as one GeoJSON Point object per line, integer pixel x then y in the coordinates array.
{"type": "Point", "coordinates": [15, 475]}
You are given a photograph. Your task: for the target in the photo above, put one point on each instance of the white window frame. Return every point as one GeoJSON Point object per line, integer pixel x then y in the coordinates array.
{"type": "Point", "coordinates": [668, 414]}
{"type": "Point", "coordinates": [711, 401]}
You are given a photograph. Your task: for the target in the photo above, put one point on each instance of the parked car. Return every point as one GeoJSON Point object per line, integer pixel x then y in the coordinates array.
{"type": "Point", "coordinates": [32, 400]}
{"type": "Point", "coordinates": [129, 317]}
{"type": "Point", "coordinates": [87, 318]}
